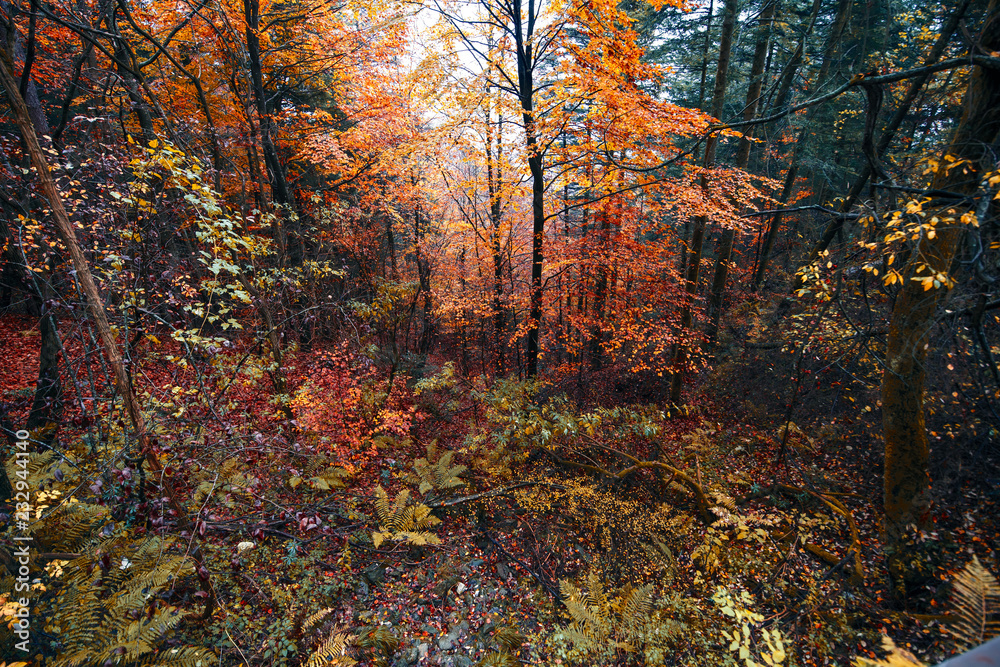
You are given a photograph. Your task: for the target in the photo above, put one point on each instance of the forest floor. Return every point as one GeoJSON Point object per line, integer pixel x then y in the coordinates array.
{"type": "Point", "coordinates": [512, 531]}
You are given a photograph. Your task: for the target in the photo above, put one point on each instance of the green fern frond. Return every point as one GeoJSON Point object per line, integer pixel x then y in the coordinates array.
{"type": "Point", "coordinates": [422, 517]}
{"type": "Point", "coordinates": [975, 602]}
{"type": "Point", "coordinates": [590, 621]}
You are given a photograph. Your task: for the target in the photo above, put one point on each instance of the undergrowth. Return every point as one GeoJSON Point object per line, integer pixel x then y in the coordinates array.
{"type": "Point", "coordinates": [536, 530]}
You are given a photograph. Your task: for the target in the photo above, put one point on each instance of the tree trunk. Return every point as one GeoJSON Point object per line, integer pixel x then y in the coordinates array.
{"type": "Point", "coordinates": [907, 478]}
{"type": "Point", "coordinates": [280, 191]}
{"type": "Point", "coordinates": [698, 233]}
{"type": "Point", "coordinates": [832, 42]}
{"type": "Point", "coordinates": [742, 161]}
{"type": "Point", "coordinates": [46, 408]}
{"type": "Point", "coordinates": [12, 44]}
{"type": "Point", "coordinates": [494, 182]}
{"type": "Point", "coordinates": [526, 93]}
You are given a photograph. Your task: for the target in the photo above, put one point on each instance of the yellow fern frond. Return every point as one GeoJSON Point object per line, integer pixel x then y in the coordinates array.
{"type": "Point", "coordinates": [332, 651]}
{"type": "Point", "coordinates": [314, 619]}
{"type": "Point", "coordinates": [975, 601]}
{"type": "Point", "coordinates": [382, 505]}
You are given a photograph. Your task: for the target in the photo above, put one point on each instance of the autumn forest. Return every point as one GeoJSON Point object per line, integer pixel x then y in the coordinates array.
{"type": "Point", "coordinates": [499, 332]}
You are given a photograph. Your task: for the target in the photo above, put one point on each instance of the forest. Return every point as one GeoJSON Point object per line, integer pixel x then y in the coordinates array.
{"type": "Point", "coordinates": [499, 332]}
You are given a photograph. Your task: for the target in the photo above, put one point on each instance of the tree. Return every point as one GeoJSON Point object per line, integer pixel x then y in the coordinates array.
{"type": "Point", "coordinates": [926, 278]}
{"type": "Point", "coordinates": [693, 260]}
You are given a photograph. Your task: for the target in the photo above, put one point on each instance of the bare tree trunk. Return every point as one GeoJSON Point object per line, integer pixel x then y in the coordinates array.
{"type": "Point", "coordinates": [832, 43]}
{"type": "Point", "coordinates": [46, 408]}
{"type": "Point", "coordinates": [698, 233]}
{"type": "Point", "coordinates": [742, 160]}
{"type": "Point", "coordinates": [280, 190]}
{"type": "Point", "coordinates": [11, 43]}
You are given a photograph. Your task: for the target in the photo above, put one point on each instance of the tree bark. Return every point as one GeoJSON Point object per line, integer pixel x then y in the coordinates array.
{"type": "Point", "coordinates": [26, 86]}
{"type": "Point", "coordinates": [524, 46]}
{"type": "Point", "coordinates": [46, 408]}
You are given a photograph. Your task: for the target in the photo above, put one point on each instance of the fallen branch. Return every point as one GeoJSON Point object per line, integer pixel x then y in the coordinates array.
{"type": "Point", "coordinates": [838, 508]}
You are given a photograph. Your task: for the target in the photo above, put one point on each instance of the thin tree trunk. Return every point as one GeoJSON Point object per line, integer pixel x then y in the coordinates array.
{"type": "Point", "coordinates": [46, 408]}
{"type": "Point", "coordinates": [526, 91]}
{"type": "Point", "coordinates": [742, 161]}
{"type": "Point", "coordinates": [698, 233]}
{"type": "Point", "coordinates": [832, 42]}
{"type": "Point", "coordinates": [12, 44]}
{"type": "Point", "coordinates": [281, 193]}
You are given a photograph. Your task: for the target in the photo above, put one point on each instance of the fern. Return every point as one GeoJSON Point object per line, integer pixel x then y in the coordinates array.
{"type": "Point", "coordinates": [313, 620]}
{"type": "Point", "coordinates": [436, 475]}
{"type": "Point", "coordinates": [227, 479]}
{"type": "Point", "coordinates": [109, 608]}
{"type": "Point", "coordinates": [401, 522]}
{"type": "Point", "coordinates": [332, 651]}
{"type": "Point", "coordinates": [498, 659]}
{"type": "Point", "coordinates": [378, 646]}
{"type": "Point", "coordinates": [39, 466]}
{"type": "Point", "coordinates": [69, 527]}
{"type": "Point", "coordinates": [509, 641]}
{"type": "Point", "coordinates": [599, 621]}
{"type": "Point", "coordinates": [976, 603]}
{"type": "Point", "coordinates": [508, 638]}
